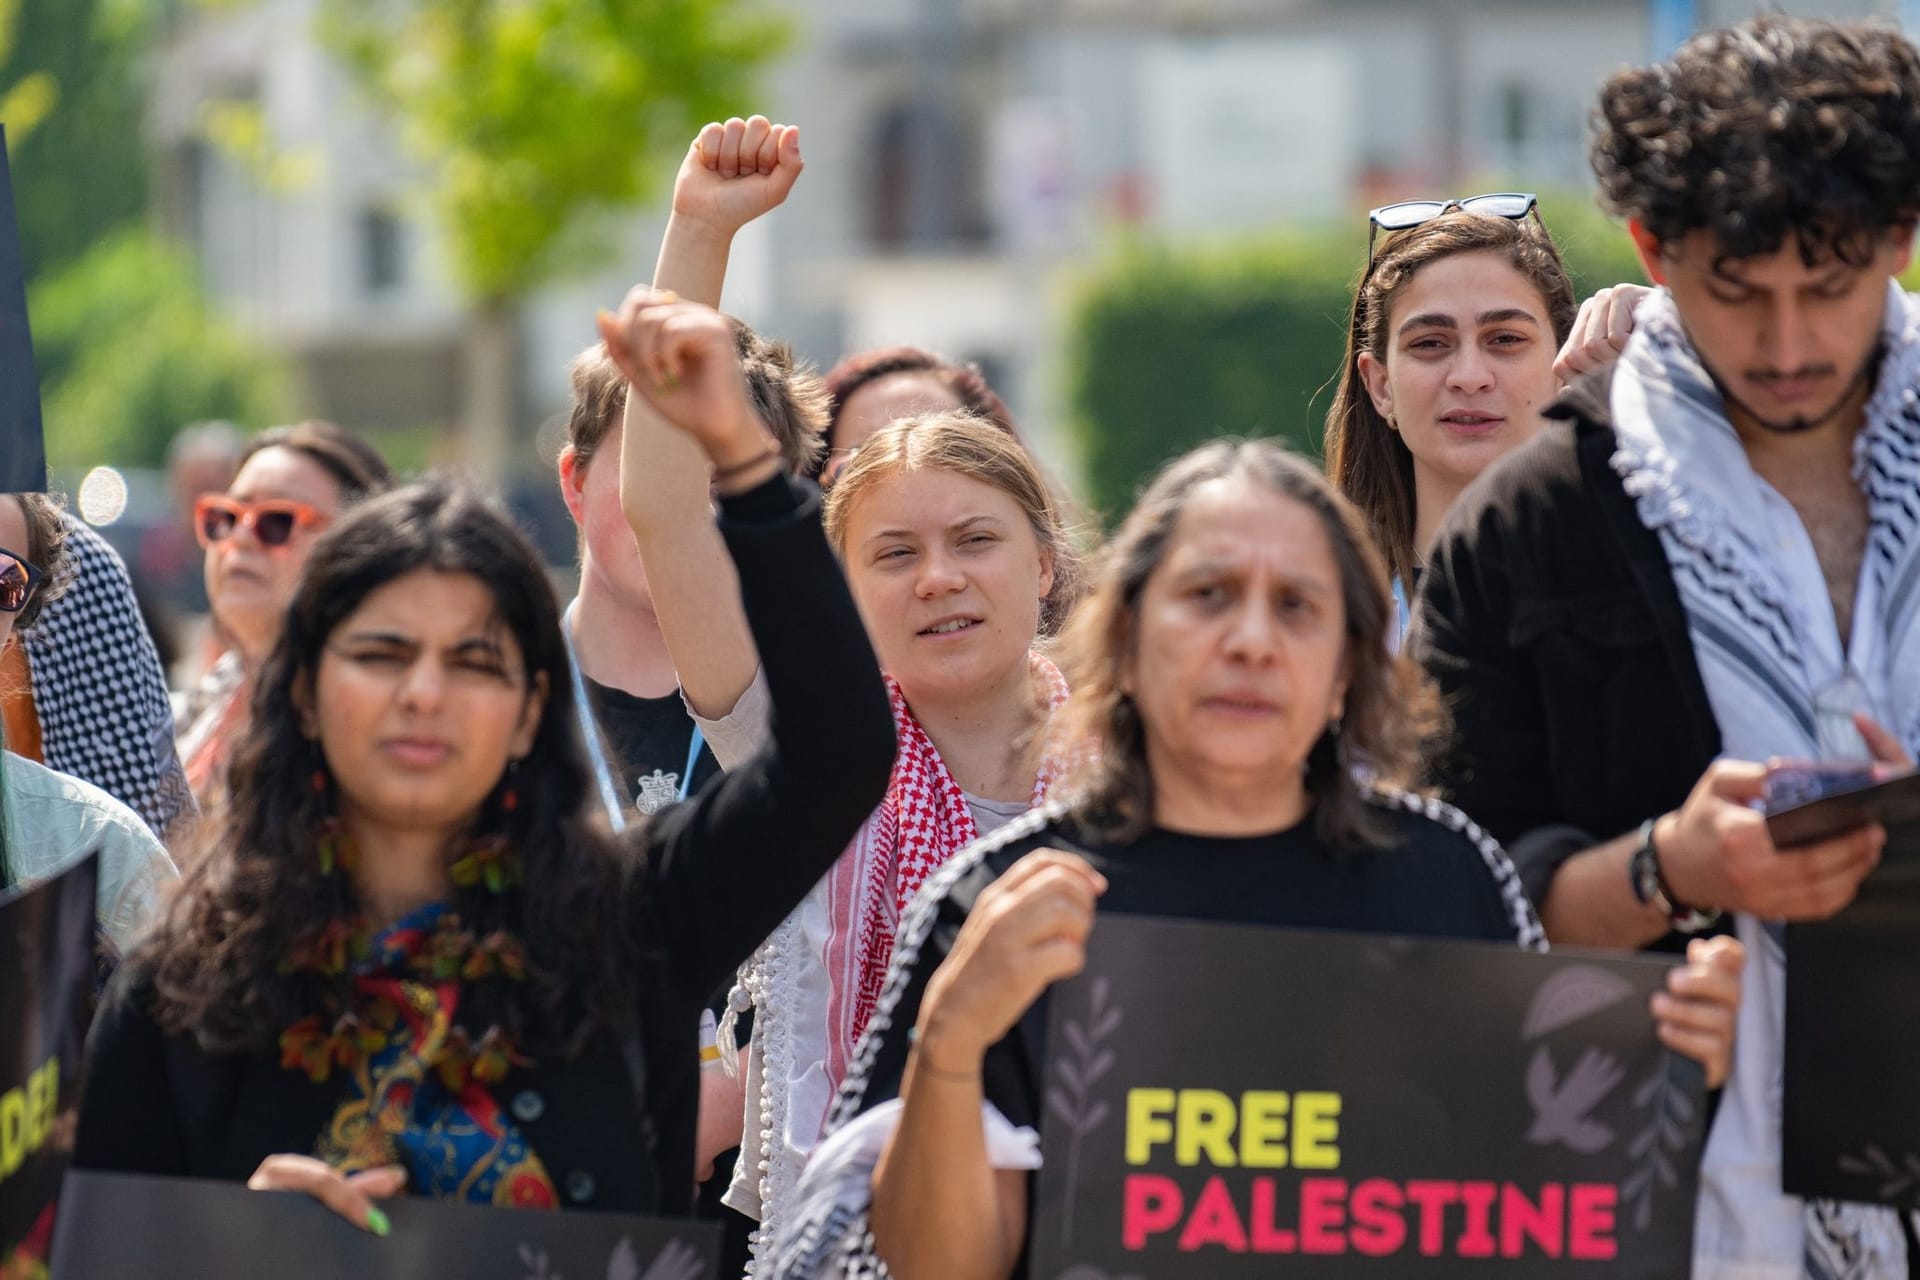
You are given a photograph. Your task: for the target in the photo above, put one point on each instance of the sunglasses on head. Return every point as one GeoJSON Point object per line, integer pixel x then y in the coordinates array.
{"type": "Point", "coordinates": [1411, 213]}
{"type": "Point", "coordinates": [271, 521]}
{"type": "Point", "coordinates": [18, 578]}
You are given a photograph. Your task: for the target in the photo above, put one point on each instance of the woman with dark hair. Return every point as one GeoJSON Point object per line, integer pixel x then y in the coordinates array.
{"type": "Point", "coordinates": [872, 388]}
{"type": "Point", "coordinates": [414, 956]}
{"type": "Point", "coordinates": [293, 482]}
{"type": "Point", "coordinates": [1451, 341]}
{"type": "Point", "coordinates": [1230, 671]}
{"type": "Point", "coordinates": [50, 820]}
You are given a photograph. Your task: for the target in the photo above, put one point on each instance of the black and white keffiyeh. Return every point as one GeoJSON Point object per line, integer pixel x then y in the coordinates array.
{"type": "Point", "coordinates": [1765, 640]}
{"type": "Point", "coordinates": [98, 687]}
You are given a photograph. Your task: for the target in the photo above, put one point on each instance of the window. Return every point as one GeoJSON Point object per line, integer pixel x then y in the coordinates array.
{"type": "Point", "coordinates": [382, 251]}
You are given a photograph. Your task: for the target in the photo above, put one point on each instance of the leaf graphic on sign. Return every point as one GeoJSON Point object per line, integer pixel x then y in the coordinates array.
{"type": "Point", "coordinates": [1669, 1112]}
{"type": "Point", "coordinates": [677, 1261]}
{"type": "Point", "coordinates": [535, 1260]}
{"type": "Point", "coordinates": [1070, 1094]}
{"type": "Point", "coordinates": [1899, 1180]}
{"type": "Point", "coordinates": [1570, 995]}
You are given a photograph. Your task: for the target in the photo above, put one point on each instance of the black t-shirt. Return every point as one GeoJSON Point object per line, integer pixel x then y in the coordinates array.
{"type": "Point", "coordinates": [646, 742]}
{"type": "Point", "coordinates": [1440, 878]}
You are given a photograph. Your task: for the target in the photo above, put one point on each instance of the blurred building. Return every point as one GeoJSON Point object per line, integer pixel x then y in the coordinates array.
{"type": "Point", "coordinates": [960, 154]}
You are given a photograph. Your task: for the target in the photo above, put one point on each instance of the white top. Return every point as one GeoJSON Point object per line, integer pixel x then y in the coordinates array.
{"type": "Point", "coordinates": [53, 821]}
{"type": "Point", "coordinates": [1695, 485]}
{"type": "Point", "coordinates": [788, 1092]}
{"type": "Point", "coordinates": [1747, 1228]}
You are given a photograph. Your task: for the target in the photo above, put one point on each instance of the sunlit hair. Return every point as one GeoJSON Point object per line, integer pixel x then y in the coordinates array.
{"type": "Point", "coordinates": [1366, 457]}
{"type": "Point", "coordinates": [971, 446]}
{"type": "Point", "coordinates": [786, 392]}
{"type": "Point", "coordinates": [1779, 129]}
{"type": "Point", "coordinates": [1391, 711]}
{"type": "Point", "coordinates": [345, 455]}
{"type": "Point", "coordinates": [47, 548]}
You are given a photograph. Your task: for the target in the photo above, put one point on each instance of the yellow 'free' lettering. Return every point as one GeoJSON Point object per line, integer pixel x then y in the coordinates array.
{"type": "Point", "coordinates": [1147, 1122]}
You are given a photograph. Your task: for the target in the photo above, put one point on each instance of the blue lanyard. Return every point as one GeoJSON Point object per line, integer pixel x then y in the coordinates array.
{"type": "Point", "coordinates": [694, 744]}
{"type": "Point", "coordinates": [596, 752]}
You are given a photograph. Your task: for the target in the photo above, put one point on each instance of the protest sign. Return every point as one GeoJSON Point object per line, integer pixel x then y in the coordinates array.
{"type": "Point", "coordinates": [46, 988]}
{"type": "Point", "coordinates": [118, 1225]}
{"type": "Point", "coordinates": [1229, 1101]}
{"type": "Point", "coordinates": [23, 450]}
{"type": "Point", "coordinates": [1850, 1112]}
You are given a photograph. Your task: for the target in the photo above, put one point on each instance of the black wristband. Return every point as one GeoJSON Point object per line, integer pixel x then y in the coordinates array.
{"type": "Point", "coordinates": [1650, 885]}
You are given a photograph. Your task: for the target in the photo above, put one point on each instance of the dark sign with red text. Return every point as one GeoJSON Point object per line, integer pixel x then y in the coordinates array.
{"type": "Point", "coordinates": [1227, 1101]}
{"type": "Point", "coordinates": [117, 1225]}
{"type": "Point", "coordinates": [46, 1001]}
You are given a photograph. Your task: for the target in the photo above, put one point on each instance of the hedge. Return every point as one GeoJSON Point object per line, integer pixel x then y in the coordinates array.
{"type": "Point", "coordinates": [1172, 345]}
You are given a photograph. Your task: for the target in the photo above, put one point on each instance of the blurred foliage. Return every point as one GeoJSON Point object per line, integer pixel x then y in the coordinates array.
{"type": "Point", "coordinates": [70, 95]}
{"type": "Point", "coordinates": [126, 347]}
{"type": "Point", "coordinates": [539, 119]}
{"type": "Point", "coordinates": [129, 352]}
{"type": "Point", "coordinates": [1171, 346]}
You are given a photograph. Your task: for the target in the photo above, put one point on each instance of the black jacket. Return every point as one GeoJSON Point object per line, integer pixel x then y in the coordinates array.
{"type": "Point", "coordinates": [708, 879]}
{"type": "Point", "coordinates": [1549, 618]}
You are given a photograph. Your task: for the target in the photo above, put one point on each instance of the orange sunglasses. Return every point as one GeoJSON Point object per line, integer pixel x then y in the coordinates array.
{"type": "Point", "coordinates": [271, 520]}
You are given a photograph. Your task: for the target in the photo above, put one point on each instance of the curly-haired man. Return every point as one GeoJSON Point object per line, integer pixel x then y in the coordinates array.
{"type": "Point", "coordinates": [1711, 559]}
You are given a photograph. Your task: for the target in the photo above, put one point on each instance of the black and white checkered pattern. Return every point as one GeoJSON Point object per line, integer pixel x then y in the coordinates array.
{"type": "Point", "coordinates": [99, 690]}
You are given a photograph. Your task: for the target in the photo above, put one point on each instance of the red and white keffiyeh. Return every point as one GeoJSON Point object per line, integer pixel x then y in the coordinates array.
{"type": "Point", "coordinates": [921, 823]}
{"type": "Point", "coordinates": [815, 982]}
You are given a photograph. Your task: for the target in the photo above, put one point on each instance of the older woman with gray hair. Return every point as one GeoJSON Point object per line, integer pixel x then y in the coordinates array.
{"type": "Point", "coordinates": [1247, 743]}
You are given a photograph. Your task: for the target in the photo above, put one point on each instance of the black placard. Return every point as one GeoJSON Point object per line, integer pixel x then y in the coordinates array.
{"type": "Point", "coordinates": [1850, 1105]}
{"type": "Point", "coordinates": [118, 1225]}
{"type": "Point", "coordinates": [1228, 1101]}
{"type": "Point", "coordinates": [46, 988]}
{"type": "Point", "coordinates": [23, 449]}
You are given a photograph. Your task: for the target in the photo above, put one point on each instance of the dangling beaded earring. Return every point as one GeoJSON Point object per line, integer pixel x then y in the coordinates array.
{"type": "Point", "coordinates": [510, 797]}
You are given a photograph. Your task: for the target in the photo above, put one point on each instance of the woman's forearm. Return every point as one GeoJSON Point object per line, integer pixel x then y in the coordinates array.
{"type": "Point", "coordinates": [693, 260]}
{"type": "Point", "coordinates": [664, 479]}
{"type": "Point", "coordinates": [728, 865]}
{"type": "Point", "coordinates": [940, 1210]}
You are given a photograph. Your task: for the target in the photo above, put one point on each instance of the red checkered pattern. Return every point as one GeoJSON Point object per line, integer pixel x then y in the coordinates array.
{"type": "Point", "coordinates": [922, 822]}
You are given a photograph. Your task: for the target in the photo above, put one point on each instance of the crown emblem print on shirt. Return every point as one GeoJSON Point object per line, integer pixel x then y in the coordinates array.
{"type": "Point", "coordinates": [657, 790]}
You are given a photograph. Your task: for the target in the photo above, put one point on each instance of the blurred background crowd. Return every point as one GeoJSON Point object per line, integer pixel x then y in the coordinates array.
{"type": "Point", "coordinates": [1140, 218]}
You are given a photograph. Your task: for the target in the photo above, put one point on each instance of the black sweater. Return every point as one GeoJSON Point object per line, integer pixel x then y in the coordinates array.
{"type": "Point", "coordinates": [709, 880]}
{"type": "Point", "coordinates": [1548, 616]}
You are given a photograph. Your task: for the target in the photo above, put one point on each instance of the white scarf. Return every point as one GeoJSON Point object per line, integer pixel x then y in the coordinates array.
{"type": "Point", "coordinates": [1765, 640]}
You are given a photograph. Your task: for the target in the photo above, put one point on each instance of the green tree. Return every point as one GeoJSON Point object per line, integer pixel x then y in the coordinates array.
{"type": "Point", "coordinates": [137, 355]}
{"type": "Point", "coordinates": [126, 348]}
{"type": "Point", "coordinates": [71, 99]}
{"type": "Point", "coordinates": [537, 121]}
{"type": "Point", "coordinates": [1172, 346]}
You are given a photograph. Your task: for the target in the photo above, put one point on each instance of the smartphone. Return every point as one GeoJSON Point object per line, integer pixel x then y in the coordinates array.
{"type": "Point", "coordinates": [1809, 802]}
{"type": "Point", "coordinates": [1792, 783]}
